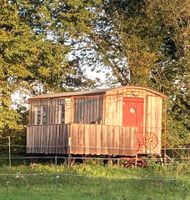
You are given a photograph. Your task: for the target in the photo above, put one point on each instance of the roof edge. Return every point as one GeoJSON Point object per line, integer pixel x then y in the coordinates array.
{"type": "Point", "coordinates": [141, 88]}
{"type": "Point", "coordinates": [99, 91]}
{"type": "Point", "coordinates": [68, 94]}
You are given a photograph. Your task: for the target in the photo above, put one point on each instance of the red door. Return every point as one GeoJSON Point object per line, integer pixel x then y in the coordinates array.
{"type": "Point", "coordinates": [133, 116]}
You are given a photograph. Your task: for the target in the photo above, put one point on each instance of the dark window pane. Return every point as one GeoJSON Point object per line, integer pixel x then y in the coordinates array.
{"type": "Point", "coordinates": [88, 110]}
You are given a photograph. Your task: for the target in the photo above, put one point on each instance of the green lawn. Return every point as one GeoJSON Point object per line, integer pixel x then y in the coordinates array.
{"type": "Point", "coordinates": [87, 182]}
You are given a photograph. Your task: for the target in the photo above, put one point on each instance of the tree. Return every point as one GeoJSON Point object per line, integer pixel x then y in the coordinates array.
{"type": "Point", "coordinates": [154, 38]}
{"type": "Point", "coordinates": [32, 55]}
{"type": "Point", "coordinates": [140, 42]}
{"type": "Point", "coordinates": [145, 43]}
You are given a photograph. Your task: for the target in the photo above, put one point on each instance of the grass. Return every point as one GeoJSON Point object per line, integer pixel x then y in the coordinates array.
{"type": "Point", "coordinates": [94, 181]}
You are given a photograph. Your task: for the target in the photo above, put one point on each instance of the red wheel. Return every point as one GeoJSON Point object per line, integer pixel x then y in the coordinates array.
{"type": "Point", "coordinates": [150, 141]}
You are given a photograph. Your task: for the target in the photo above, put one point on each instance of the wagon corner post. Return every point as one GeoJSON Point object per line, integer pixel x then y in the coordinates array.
{"type": "Point", "coordinates": [69, 146]}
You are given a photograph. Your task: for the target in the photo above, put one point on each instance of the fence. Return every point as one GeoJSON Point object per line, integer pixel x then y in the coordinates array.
{"type": "Point", "coordinates": [9, 156]}
{"type": "Point", "coordinates": [58, 172]}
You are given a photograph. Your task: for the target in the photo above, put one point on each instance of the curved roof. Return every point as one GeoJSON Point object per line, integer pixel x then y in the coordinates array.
{"type": "Point", "coordinates": [141, 88]}
{"type": "Point", "coordinates": [93, 92]}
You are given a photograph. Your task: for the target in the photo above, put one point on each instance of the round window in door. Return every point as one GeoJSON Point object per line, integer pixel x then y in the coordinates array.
{"type": "Point", "coordinates": [132, 110]}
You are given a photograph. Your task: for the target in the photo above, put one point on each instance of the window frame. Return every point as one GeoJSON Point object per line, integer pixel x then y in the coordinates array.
{"type": "Point", "coordinates": [40, 115]}
{"type": "Point", "coordinates": [61, 111]}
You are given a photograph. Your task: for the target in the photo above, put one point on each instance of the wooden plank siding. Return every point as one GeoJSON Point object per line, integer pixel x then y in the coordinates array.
{"type": "Point", "coordinates": [47, 139]}
{"type": "Point", "coordinates": [113, 114]}
{"type": "Point", "coordinates": [86, 139]}
{"type": "Point", "coordinates": [91, 139]}
{"type": "Point", "coordinates": [154, 121]}
{"type": "Point", "coordinates": [114, 104]}
{"type": "Point", "coordinates": [94, 123]}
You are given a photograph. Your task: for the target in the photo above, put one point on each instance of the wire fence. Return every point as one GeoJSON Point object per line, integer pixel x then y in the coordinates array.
{"type": "Point", "coordinates": [14, 154]}
{"type": "Point", "coordinates": [33, 174]}
{"type": "Point", "coordinates": [17, 156]}
{"type": "Point", "coordinates": [54, 172]}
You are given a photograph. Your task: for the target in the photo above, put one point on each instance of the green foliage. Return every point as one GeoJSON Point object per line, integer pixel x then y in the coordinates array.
{"type": "Point", "coordinates": [147, 43]}
{"type": "Point", "coordinates": [33, 53]}
{"type": "Point", "coordinates": [177, 134]}
{"type": "Point", "coordinates": [142, 42]}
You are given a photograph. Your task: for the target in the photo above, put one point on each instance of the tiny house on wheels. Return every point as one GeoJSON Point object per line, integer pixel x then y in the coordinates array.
{"type": "Point", "coordinates": [123, 121]}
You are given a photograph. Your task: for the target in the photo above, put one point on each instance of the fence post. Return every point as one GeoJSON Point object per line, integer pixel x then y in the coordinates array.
{"type": "Point", "coordinates": [9, 146]}
{"type": "Point", "coordinates": [9, 143]}
{"type": "Point", "coordinates": [136, 158]}
{"type": "Point", "coordinates": [55, 160]}
{"type": "Point", "coordinates": [118, 162]}
{"type": "Point", "coordinates": [69, 153]}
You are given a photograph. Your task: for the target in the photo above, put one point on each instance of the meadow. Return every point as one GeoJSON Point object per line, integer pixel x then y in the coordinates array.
{"type": "Point", "coordinates": [94, 181]}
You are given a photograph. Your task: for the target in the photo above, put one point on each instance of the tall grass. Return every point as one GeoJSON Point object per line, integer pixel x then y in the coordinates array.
{"type": "Point", "coordinates": [95, 168]}
{"type": "Point", "coordinates": [94, 180]}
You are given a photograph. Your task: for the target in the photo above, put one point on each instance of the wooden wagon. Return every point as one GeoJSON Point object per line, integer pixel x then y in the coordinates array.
{"type": "Point", "coordinates": [122, 121]}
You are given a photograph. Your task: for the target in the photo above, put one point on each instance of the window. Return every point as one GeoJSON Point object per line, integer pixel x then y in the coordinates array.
{"type": "Point", "coordinates": [40, 115]}
{"type": "Point", "coordinates": [62, 113]}
{"type": "Point", "coordinates": [88, 110]}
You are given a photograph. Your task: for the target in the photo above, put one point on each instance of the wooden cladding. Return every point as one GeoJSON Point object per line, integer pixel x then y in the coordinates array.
{"type": "Point", "coordinates": [51, 139]}
{"type": "Point", "coordinates": [103, 140]}
{"type": "Point", "coordinates": [87, 139]}
{"type": "Point", "coordinates": [153, 123]}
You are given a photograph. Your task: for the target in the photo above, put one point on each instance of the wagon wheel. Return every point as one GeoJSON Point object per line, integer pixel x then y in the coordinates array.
{"type": "Point", "coordinates": [150, 141]}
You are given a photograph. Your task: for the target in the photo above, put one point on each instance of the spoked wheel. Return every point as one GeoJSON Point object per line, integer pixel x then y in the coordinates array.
{"type": "Point", "coordinates": [150, 141]}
